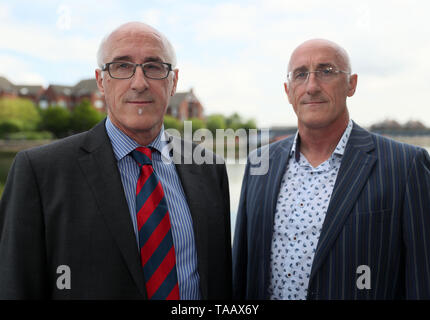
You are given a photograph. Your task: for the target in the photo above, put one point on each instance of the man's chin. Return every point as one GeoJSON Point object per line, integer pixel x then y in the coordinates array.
{"type": "Point", "coordinates": [315, 122]}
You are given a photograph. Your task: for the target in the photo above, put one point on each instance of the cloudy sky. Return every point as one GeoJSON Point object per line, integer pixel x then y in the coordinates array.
{"type": "Point", "coordinates": [234, 54]}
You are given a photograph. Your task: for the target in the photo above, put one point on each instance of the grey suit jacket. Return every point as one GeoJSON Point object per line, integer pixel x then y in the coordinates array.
{"type": "Point", "coordinates": [378, 216]}
{"type": "Point", "coordinates": [64, 204]}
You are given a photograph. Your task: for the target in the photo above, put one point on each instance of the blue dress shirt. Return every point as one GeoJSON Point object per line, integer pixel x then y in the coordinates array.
{"type": "Point", "coordinates": [180, 216]}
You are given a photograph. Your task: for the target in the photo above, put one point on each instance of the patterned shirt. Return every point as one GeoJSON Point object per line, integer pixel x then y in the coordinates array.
{"type": "Point", "coordinates": [302, 203]}
{"type": "Point", "coordinates": [180, 216]}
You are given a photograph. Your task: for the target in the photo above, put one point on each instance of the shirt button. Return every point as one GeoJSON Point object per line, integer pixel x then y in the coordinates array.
{"type": "Point", "coordinates": [301, 205]}
{"type": "Point", "coordinates": [289, 275]}
{"type": "Point", "coordinates": [294, 238]}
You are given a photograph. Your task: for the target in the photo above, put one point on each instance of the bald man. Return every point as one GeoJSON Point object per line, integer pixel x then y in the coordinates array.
{"type": "Point", "coordinates": [342, 213]}
{"type": "Point", "coordinates": [115, 213]}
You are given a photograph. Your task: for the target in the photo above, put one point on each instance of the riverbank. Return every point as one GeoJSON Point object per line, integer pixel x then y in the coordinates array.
{"type": "Point", "coordinates": [422, 141]}
{"type": "Point", "coordinates": [18, 145]}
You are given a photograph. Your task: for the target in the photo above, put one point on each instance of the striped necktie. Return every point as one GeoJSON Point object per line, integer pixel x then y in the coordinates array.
{"type": "Point", "coordinates": [155, 237]}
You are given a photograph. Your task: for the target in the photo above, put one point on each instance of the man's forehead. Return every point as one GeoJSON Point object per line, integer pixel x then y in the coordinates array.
{"type": "Point", "coordinates": [143, 36]}
{"type": "Point", "coordinates": [124, 43]}
{"type": "Point", "coordinates": [314, 54]}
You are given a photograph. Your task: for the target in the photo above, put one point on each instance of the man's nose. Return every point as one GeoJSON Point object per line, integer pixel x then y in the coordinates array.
{"type": "Point", "coordinates": [312, 84]}
{"type": "Point", "coordinates": [139, 82]}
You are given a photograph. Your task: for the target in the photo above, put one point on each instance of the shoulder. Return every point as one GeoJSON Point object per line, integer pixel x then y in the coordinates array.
{"type": "Point", "coordinates": [273, 148]}
{"type": "Point", "coordinates": [383, 146]}
{"type": "Point", "coordinates": [60, 149]}
{"type": "Point", "coordinates": [188, 152]}
{"type": "Point", "coordinates": [70, 147]}
{"type": "Point", "coordinates": [395, 149]}
{"type": "Point", "coordinates": [269, 158]}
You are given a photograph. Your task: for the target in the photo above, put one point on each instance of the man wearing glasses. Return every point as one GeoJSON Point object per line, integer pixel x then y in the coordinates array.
{"type": "Point", "coordinates": [115, 212]}
{"type": "Point", "coordinates": [342, 213]}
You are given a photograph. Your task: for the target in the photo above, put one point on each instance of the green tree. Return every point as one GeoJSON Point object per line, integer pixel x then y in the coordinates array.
{"type": "Point", "coordinates": [18, 113]}
{"type": "Point", "coordinates": [9, 126]}
{"type": "Point", "coordinates": [234, 121]}
{"type": "Point", "coordinates": [56, 119]}
{"type": "Point", "coordinates": [172, 123]}
{"type": "Point", "coordinates": [84, 117]}
{"type": "Point", "coordinates": [215, 121]}
{"type": "Point", "coordinates": [250, 124]}
{"type": "Point", "coordinates": [197, 124]}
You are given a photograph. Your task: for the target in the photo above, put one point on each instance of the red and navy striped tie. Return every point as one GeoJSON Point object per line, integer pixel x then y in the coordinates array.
{"type": "Point", "coordinates": [155, 237]}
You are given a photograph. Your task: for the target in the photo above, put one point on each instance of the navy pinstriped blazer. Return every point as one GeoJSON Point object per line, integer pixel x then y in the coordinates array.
{"type": "Point", "coordinates": [379, 216]}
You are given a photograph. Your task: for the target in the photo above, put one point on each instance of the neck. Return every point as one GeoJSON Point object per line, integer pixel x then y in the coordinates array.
{"type": "Point", "coordinates": [318, 144]}
{"type": "Point", "coordinates": [142, 137]}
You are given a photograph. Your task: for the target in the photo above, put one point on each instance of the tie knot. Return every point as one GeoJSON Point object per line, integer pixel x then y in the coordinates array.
{"type": "Point", "coordinates": [142, 155]}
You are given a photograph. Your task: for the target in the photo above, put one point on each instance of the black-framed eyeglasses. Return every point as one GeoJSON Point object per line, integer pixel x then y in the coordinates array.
{"type": "Point", "coordinates": [125, 70]}
{"type": "Point", "coordinates": [325, 74]}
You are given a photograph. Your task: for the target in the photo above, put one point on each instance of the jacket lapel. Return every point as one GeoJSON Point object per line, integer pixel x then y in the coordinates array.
{"type": "Point", "coordinates": [272, 180]}
{"type": "Point", "coordinates": [278, 160]}
{"type": "Point", "coordinates": [356, 166]}
{"type": "Point", "coordinates": [99, 166]}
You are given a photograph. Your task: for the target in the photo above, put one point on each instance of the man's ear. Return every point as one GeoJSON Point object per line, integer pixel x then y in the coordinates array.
{"type": "Point", "coordinates": [175, 82]}
{"type": "Point", "coordinates": [352, 85]}
{"type": "Point", "coordinates": [99, 80]}
{"type": "Point", "coordinates": [287, 91]}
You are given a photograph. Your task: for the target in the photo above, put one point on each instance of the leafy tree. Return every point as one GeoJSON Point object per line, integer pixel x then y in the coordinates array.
{"type": "Point", "coordinates": [84, 117]}
{"type": "Point", "coordinates": [172, 123]}
{"type": "Point", "coordinates": [56, 119]}
{"type": "Point", "coordinates": [9, 126]}
{"type": "Point", "coordinates": [197, 124]}
{"type": "Point", "coordinates": [18, 113]}
{"type": "Point", "coordinates": [234, 121]}
{"type": "Point", "coordinates": [215, 121]}
{"type": "Point", "coordinates": [250, 124]}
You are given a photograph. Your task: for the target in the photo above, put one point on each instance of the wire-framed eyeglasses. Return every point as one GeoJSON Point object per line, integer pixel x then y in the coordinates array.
{"type": "Point", "coordinates": [325, 74]}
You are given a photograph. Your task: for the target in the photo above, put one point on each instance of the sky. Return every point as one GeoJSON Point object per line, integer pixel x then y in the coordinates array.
{"type": "Point", "coordinates": [234, 54]}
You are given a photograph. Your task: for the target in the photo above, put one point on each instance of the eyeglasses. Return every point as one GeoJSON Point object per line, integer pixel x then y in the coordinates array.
{"type": "Point", "coordinates": [325, 74]}
{"type": "Point", "coordinates": [125, 70]}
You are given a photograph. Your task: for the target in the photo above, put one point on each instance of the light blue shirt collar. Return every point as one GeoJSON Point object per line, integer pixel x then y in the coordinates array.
{"type": "Point", "coordinates": [122, 144]}
{"type": "Point", "coordinates": [340, 148]}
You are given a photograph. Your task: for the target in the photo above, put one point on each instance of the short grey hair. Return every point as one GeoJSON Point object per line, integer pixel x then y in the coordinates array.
{"type": "Point", "coordinates": [171, 55]}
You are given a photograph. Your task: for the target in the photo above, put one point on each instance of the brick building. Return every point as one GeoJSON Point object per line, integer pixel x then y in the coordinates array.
{"type": "Point", "coordinates": [64, 96]}
{"type": "Point", "coordinates": [7, 89]}
{"type": "Point", "coordinates": [30, 92]}
{"type": "Point", "coordinates": [87, 89]}
{"type": "Point", "coordinates": [57, 95]}
{"type": "Point", "coordinates": [183, 105]}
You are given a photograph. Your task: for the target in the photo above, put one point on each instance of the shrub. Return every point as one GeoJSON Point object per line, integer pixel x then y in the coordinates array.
{"type": "Point", "coordinates": [84, 117]}
{"type": "Point", "coordinates": [56, 119]}
{"type": "Point", "coordinates": [30, 135]}
{"type": "Point", "coordinates": [20, 112]}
